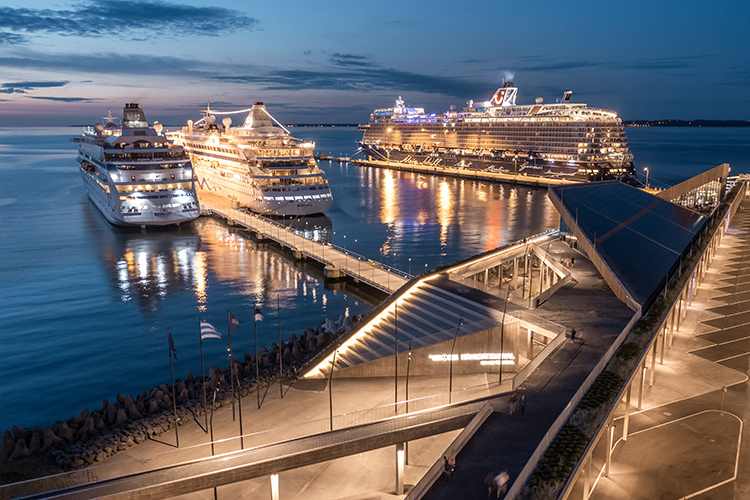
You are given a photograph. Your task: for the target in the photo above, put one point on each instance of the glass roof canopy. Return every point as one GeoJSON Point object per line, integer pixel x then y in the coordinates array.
{"type": "Point", "coordinates": [640, 237]}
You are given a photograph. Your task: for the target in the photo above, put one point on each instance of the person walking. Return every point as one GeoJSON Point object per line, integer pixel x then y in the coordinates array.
{"type": "Point", "coordinates": [522, 403]}
{"type": "Point", "coordinates": [501, 483]}
{"type": "Point", "coordinates": [573, 335]}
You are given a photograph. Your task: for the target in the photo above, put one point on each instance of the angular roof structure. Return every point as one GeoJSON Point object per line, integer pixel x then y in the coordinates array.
{"type": "Point", "coordinates": [635, 239]}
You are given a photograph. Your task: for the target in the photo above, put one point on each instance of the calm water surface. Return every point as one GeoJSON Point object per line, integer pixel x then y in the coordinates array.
{"type": "Point", "coordinates": [86, 306]}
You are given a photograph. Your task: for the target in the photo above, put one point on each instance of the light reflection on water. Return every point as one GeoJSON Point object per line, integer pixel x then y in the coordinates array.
{"type": "Point", "coordinates": [101, 298]}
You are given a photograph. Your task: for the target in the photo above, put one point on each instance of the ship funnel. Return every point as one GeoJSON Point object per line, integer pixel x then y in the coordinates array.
{"type": "Point", "coordinates": [133, 116]}
{"type": "Point", "coordinates": [505, 95]}
{"type": "Point", "coordinates": [258, 117]}
{"type": "Point", "coordinates": [566, 96]}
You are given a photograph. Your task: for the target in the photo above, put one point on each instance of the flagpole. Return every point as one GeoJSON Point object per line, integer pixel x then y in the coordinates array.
{"type": "Point", "coordinates": [203, 373]}
{"type": "Point", "coordinates": [395, 374]}
{"type": "Point", "coordinates": [281, 361]}
{"type": "Point", "coordinates": [257, 360]}
{"type": "Point", "coordinates": [231, 361]}
{"type": "Point", "coordinates": [170, 348]}
{"type": "Point", "coordinates": [239, 394]}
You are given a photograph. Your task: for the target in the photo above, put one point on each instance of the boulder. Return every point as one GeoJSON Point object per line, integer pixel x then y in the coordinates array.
{"type": "Point", "coordinates": [153, 406]}
{"type": "Point", "coordinates": [37, 438]}
{"type": "Point", "coordinates": [122, 417]}
{"type": "Point", "coordinates": [121, 399]}
{"type": "Point", "coordinates": [111, 414]}
{"type": "Point", "coordinates": [133, 412]}
{"type": "Point", "coordinates": [21, 433]}
{"type": "Point", "coordinates": [7, 447]}
{"type": "Point", "coordinates": [21, 450]}
{"type": "Point", "coordinates": [105, 405]}
{"type": "Point", "coordinates": [66, 432]}
{"type": "Point", "coordinates": [190, 379]}
{"type": "Point", "coordinates": [50, 439]}
{"type": "Point", "coordinates": [99, 422]}
{"type": "Point", "coordinates": [128, 401]}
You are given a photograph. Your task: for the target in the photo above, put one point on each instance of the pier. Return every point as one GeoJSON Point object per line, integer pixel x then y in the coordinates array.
{"type": "Point", "coordinates": [465, 173]}
{"type": "Point", "coordinates": [338, 262]}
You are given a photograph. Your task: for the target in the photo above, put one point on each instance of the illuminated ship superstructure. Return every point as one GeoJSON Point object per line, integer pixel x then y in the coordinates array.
{"type": "Point", "coordinates": [258, 165]}
{"type": "Point", "coordinates": [134, 174]}
{"type": "Point", "coordinates": [564, 139]}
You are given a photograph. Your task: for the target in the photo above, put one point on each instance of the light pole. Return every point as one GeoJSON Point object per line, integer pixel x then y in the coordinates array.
{"type": "Point", "coordinates": [502, 333]}
{"type": "Point", "coordinates": [450, 386]}
{"type": "Point", "coordinates": [409, 266]}
{"type": "Point", "coordinates": [330, 386]}
{"type": "Point", "coordinates": [646, 169]}
{"type": "Point", "coordinates": [346, 255]}
{"type": "Point", "coordinates": [359, 261]}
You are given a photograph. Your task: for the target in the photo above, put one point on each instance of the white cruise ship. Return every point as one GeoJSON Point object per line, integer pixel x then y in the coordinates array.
{"type": "Point", "coordinates": [562, 139]}
{"type": "Point", "coordinates": [134, 174]}
{"type": "Point", "coordinates": [258, 165]}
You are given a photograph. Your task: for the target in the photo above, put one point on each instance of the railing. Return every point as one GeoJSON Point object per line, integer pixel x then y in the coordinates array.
{"type": "Point", "coordinates": [251, 440]}
{"type": "Point", "coordinates": [577, 471]}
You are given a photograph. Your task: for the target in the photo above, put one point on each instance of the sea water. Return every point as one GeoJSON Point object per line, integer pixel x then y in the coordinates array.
{"type": "Point", "coordinates": [85, 306]}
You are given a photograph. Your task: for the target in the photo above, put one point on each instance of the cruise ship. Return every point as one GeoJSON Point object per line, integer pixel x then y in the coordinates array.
{"type": "Point", "coordinates": [557, 140]}
{"type": "Point", "coordinates": [258, 165]}
{"type": "Point", "coordinates": [134, 174]}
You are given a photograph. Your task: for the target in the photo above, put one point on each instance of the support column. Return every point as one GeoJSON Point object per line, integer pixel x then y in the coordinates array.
{"type": "Point", "coordinates": [515, 273]}
{"type": "Point", "coordinates": [679, 311]}
{"type": "Point", "coordinates": [587, 477]}
{"type": "Point", "coordinates": [500, 276]}
{"type": "Point", "coordinates": [529, 344]}
{"type": "Point", "coordinates": [626, 424]}
{"type": "Point", "coordinates": [671, 328]}
{"type": "Point", "coordinates": [274, 487]}
{"type": "Point", "coordinates": [400, 460]}
{"type": "Point", "coordinates": [692, 288]}
{"type": "Point", "coordinates": [685, 301]}
{"type": "Point", "coordinates": [610, 439]}
{"type": "Point", "coordinates": [663, 343]}
{"type": "Point", "coordinates": [486, 278]}
{"type": "Point", "coordinates": [642, 383]}
{"type": "Point", "coordinates": [653, 364]}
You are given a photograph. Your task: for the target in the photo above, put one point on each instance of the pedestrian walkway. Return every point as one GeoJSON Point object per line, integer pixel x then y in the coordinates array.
{"type": "Point", "coordinates": [687, 441]}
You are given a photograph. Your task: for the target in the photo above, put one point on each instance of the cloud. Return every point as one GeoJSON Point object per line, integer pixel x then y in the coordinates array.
{"type": "Point", "coordinates": [66, 99]}
{"type": "Point", "coordinates": [12, 39]}
{"type": "Point", "coordinates": [25, 87]}
{"type": "Point", "coordinates": [107, 63]}
{"type": "Point", "coordinates": [349, 60]}
{"type": "Point", "coordinates": [359, 78]}
{"type": "Point", "coordinates": [94, 18]}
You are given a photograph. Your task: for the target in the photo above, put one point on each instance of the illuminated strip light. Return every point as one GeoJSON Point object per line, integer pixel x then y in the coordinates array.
{"type": "Point", "coordinates": [317, 370]}
{"type": "Point", "coordinates": [517, 246]}
{"type": "Point", "coordinates": [486, 358]}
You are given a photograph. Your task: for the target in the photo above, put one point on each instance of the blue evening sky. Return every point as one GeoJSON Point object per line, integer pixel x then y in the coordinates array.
{"type": "Point", "coordinates": [335, 61]}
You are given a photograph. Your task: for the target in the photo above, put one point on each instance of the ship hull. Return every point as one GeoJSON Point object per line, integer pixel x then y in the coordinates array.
{"type": "Point", "coordinates": [117, 217]}
{"type": "Point", "coordinates": [506, 165]}
{"type": "Point", "coordinates": [303, 200]}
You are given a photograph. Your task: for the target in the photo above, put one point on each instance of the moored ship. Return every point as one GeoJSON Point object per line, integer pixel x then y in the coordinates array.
{"type": "Point", "coordinates": [258, 165]}
{"type": "Point", "coordinates": [560, 140]}
{"type": "Point", "coordinates": [134, 174]}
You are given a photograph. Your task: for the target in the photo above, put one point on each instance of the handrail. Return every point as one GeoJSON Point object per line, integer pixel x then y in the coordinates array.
{"type": "Point", "coordinates": [567, 488]}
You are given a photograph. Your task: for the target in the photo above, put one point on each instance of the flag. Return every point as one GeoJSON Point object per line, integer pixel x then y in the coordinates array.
{"type": "Point", "coordinates": [172, 349]}
{"type": "Point", "coordinates": [258, 315]}
{"type": "Point", "coordinates": [208, 331]}
{"type": "Point", "coordinates": [234, 322]}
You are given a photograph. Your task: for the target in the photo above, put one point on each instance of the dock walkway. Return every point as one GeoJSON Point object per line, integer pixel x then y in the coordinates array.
{"type": "Point", "coordinates": [467, 173]}
{"type": "Point", "coordinates": [337, 261]}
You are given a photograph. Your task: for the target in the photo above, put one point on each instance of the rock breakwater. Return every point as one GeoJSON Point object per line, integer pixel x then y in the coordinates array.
{"type": "Point", "coordinates": [93, 435]}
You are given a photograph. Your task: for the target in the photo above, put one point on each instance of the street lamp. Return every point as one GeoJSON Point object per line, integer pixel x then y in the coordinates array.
{"type": "Point", "coordinates": [409, 266]}
{"type": "Point", "coordinates": [502, 333]}
{"type": "Point", "coordinates": [646, 169]}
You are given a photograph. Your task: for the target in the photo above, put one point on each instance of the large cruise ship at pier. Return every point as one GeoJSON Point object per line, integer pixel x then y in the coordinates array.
{"type": "Point", "coordinates": [563, 139]}
{"type": "Point", "coordinates": [134, 174]}
{"type": "Point", "coordinates": [258, 165]}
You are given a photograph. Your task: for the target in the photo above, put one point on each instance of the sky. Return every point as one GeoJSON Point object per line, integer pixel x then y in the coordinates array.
{"type": "Point", "coordinates": [332, 61]}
